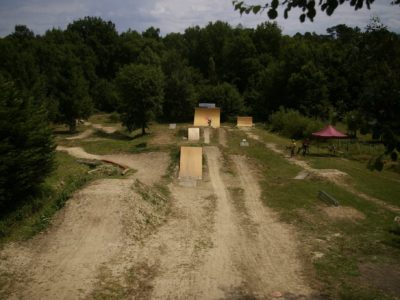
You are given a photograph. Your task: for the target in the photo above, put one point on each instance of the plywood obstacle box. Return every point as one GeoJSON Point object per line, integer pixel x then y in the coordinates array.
{"type": "Point", "coordinates": [193, 134]}
{"type": "Point", "coordinates": [191, 163]}
{"type": "Point", "coordinates": [202, 115]}
{"type": "Point", "coordinates": [244, 122]}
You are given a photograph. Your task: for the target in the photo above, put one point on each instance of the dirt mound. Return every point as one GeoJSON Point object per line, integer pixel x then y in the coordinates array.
{"type": "Point", "coordinates": [344, 213]}
{"type": "Point", "coordinates": [106, 129]}
{"type": "Point", "coordinates": [150, 166]}
{"type": "Point", "coordinates": [83, 135]}
{"type": "Point", "coordinates": [78, 152]}
{"type": "Point", "coordinates": [95, 228]}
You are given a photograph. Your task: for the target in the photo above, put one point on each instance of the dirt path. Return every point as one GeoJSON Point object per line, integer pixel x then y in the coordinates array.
{"type": "Point", "coordinates": [147, 164]}
{"type": "Point", "coordinates": [222, 137]}
{"type": "Point", "coordinates": [90, 232]}
{"type": "Point", "coordinates": [88, 132]}
{"type": "Point", "coordinates": [205, 251]}
{"type": "Point", "coordinates": [332, 175]}
{"type": "Point", "coordinates": [272, 260]}
{"type": "Point", "coordinates": [83, 135]}
{"type": "Point", "coordinates": [162, 137]}
{"type": "Point", "coordinates": [62, 263]}
{"type": "Point", "coordinates": [106, 129]}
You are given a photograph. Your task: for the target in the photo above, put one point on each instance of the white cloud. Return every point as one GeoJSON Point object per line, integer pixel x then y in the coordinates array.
{"type": "Point", "coordinates": [174, 15]}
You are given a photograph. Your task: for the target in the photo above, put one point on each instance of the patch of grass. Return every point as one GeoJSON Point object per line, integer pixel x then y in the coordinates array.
{"type": "Point", "coordinates": [227, 164]}
{"type": "Point", "coordinates": [135, 282]}
{"type": "Point", "coordinates": [107, 145]}
{"type": "Point", "coordinates": [157, 196]}
{"type": "Point", "coordinates": [384, 185]}
{"type": "Point", "coordinates": [106, 119]}
{"type": "Point", "coordinates": [297, 204]}
{"type": "Point", "coordinates": [36, 214]}
{"type": "Point", "coordinates": [174, 155]}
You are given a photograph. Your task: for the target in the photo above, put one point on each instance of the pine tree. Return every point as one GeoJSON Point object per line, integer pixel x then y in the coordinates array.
{"type": "Point", "coordinates": [26, 146]}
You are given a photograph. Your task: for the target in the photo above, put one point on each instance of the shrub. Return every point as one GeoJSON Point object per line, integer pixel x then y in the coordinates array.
{"type": "Point", "coordinates": [292, 124]}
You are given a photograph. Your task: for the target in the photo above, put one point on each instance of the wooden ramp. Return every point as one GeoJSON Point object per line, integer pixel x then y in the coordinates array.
{"type": "Point", "coordinates": [191, 163]}
{"type": "Point", "coordinates": [193, 134]}
{"type": "Point", "coordinates": [244, 121]}
{"type": "Point", "coordinates": [202, 115]}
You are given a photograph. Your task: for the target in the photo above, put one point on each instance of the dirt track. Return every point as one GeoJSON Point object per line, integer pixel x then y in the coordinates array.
{"type": "Point", "coordinates": [218, 240]}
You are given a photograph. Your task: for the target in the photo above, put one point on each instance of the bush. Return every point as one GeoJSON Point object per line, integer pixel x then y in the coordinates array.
{"type": "Point", "coordinates": [26, 146]}
{"type": "Point", "coordinates": [292, 124]}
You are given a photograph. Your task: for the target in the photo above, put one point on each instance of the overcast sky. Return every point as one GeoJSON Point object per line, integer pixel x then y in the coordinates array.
{"type": "Point", "coordinates": [174, 15]}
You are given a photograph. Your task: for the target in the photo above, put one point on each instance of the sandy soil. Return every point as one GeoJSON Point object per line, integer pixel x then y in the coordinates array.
{"type": "Point", "coordinates": [207, 252]}
{"type": "Point", "coordinates": [344, 212]}
{"type": "Point", "coordinates": [222, 137]}
{"type": "Point", "coordinates": [162, 137]}
{"type": "Point", "coordinates": [149, 165]}
{"type": "Point", "coordinates": [83, 135]}
{"type": "Point", "coordinates": [106, 129]}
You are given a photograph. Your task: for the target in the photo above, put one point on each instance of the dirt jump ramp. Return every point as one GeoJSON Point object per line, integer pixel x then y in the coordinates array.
{"type": "Point", "coordinates": [244, 122]}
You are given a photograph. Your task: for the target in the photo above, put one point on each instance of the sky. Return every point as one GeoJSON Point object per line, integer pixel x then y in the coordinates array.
{"type": "Point", "coordinates": [176, 15]}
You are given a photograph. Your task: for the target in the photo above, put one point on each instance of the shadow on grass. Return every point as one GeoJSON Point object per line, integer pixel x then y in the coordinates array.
{"type": "Point", "coordinates": [117, 135]}
{"type": "Point", "coordinates": [328, 155]}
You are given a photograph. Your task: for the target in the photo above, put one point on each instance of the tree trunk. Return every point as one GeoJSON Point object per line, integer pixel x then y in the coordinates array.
{"type": "Point", "coordinates": [72, 126]}
{"type": "Point", "coordinates": [143, 129]}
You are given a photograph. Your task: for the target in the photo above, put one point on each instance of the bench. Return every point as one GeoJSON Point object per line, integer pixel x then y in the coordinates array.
{"type": "Point", "coordinates": [324, 196]}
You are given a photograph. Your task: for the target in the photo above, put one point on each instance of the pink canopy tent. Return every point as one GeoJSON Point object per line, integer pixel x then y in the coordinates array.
{"type": "Point", "coordinates": [329, 133]}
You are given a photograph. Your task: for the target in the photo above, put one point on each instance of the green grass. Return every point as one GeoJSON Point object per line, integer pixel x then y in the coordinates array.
{"type": "Point", "coordinates": [384, 185]}
{"type": "Point", "coordinates": [104, 119]}
{"type": "Point", "coordinates": [369, 239]}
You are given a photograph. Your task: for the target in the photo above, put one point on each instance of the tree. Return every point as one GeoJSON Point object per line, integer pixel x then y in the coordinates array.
{"type": "Point", "coordinates": [308, 7]}
{"type": "Point", "coordinates": [225, 96]}
{"type": "Point", "coordinates": [102, 38]}
{"type": "Point", "coordinates": [180, 94]}
{"type": "Point", "coordinates": [72, 92]}
{"type": "Point", "coordinates": [26, 146]}
{"type": "Point", "coordinates": [140, 89]}
{"type": "Point", "coordinates": [308, 92]}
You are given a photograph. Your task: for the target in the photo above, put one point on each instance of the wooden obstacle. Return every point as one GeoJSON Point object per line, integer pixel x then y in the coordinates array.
{"type": "Point", "coordinates": [244, 122]}
{"type": "Point", "coordinates": [202, 115]}
{"type": "Point", "coordinates": [193, 134]}
{"type": "Point", "coordinates": [191, 163]}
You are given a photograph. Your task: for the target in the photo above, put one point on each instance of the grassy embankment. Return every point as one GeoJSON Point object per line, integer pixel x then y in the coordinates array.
{"type": "Point", "coordinates": [353, 257]}
{"type": "Point", "coordinates": [35, 215]}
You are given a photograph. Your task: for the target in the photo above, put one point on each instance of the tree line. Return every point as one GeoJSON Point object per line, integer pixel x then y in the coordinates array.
{"type": "Point", "coordinates": [64, 75]}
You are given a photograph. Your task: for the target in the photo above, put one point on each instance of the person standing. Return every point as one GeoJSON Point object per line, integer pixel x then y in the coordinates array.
{"type": "Point", "coordinates": [293, 147]}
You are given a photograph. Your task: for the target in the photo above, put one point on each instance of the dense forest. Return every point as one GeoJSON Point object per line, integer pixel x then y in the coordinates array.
{"type": "Point", "coordinates": [348, 74]}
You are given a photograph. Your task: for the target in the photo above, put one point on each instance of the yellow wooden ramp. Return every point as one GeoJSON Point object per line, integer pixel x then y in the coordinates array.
{"type": "Point", "coordinates": [244, 121]}
{"type": "Point", "coordinates": [202, 115]}
{"type": "Point", "coordinates": [191, 163]}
